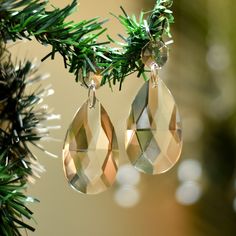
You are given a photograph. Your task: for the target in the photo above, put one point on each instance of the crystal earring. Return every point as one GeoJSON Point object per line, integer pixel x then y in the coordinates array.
{"type": "Point", "coordinates": [153, 136]}
{"type": "Point", "coordinates": [90, 153]}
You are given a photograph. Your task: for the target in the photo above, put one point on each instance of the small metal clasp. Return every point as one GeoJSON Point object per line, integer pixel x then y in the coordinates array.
{"type": "Point", "coordinates": [92, 94]}
{"type": "Point", "coordinates": [154, 75]}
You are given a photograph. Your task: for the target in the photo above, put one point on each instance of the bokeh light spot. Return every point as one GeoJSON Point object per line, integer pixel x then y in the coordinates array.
{"type": "Point", "coordinates": [128, 175]}
{"type": "Point", "coordinates": [127, 196]}
{"type": "Point", "coordinates": [189, 170]}
{"type": "Point", "coordinates": [188, 193]}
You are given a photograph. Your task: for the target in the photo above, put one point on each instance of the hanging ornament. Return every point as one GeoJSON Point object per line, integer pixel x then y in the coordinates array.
{"type": "Point", "coordinates": [155, 53]}
{"type": "Point", "coordinates": [90, 153]}
{"type": "Point", "coordinates": [154, 132]}
{"type": "Point", "coordinates": [153, 136]}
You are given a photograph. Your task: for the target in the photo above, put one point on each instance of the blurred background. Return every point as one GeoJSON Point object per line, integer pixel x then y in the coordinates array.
{"type": "Point", "coordinates": [198, 196]}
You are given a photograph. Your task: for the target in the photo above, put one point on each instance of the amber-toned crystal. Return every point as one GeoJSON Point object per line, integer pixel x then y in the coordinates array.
{"type": "Point", "coordinates": [153, 136]}
{"type": "Point", "coordinates": [90, 153]}
{"type": "Point", "coordinates": [97, 78]}
{"type": "Point", "coordinates": [87, 79]}
{"type": "Point", "coordinates": [155, 53]}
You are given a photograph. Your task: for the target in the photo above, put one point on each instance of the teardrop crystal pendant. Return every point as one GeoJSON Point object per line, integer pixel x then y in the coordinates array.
{"type": "Point", "coordinates": [90, 153]}
{"type": "Point", "coordinates": [153, 136]}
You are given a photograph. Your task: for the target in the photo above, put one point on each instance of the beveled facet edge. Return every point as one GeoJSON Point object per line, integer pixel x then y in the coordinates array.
{"type": "Point", "coordinates": [147, 83]}
{"type": "Point", "coordinates": [115, 151]}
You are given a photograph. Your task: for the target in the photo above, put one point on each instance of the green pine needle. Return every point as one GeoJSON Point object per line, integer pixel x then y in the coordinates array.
{"type": "Point", "coordinates": [78, 44]}
{"type": "Point", "coordinates": [82, 53]}
{"type": "Point", "coordinates": [20, 124]}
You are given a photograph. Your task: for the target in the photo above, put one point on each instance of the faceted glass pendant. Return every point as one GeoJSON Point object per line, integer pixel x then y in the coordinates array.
{"type": "Point", "coordinates": [155, 53]}
{"type": "Point", "coordinates": [86, 80]}
{"type": "Point", "coordinates": [153, 136]}
{"type": "Point", "coordinates": [90, 153]}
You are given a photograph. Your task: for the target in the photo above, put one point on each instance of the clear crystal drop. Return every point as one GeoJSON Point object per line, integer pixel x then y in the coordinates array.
{"type": "Point", "coordinates": [90, 153]}
{"type": "Point", "coordinates": [155, 53]}
{"type": "Point", "coordinates": [86, 80]}
{"type": "Point", "coordinates": [153, 135]}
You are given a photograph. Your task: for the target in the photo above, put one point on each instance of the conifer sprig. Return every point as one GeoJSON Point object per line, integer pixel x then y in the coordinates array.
{"type": "Point", "coordinates": [78, 43]}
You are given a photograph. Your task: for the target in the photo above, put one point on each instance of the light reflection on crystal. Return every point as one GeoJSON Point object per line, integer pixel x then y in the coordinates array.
{"type": "Point", "coordinates": [155, 53]}
{"type": "Point", "coordinates": [153, 136]}
{"type": "Point", "coordinates": [90, 154]}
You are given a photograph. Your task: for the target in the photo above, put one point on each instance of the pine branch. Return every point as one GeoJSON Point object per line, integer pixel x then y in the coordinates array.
{"type": "Point", "coordinates": [13, 201]}
{"type": "Point", "coordinates": [20, 124]}
{"type": "Point", "coordinates": [78, 44]}
{"type": "Point", "coordinates": [140, 32]}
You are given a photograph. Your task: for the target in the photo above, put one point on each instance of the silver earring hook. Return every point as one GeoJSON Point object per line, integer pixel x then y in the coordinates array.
{"type": "Point", "coordinates": [92, 94]}
{"type": "Point", "coordinates": [154, 74]}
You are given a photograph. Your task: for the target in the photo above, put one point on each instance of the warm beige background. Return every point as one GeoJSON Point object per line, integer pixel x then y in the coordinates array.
{"type": "Point", "coordinates": [63, 211]}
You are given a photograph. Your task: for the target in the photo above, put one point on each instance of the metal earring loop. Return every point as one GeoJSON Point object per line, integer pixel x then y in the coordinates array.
{"type": "Point", "coordinates": [92, 94]}
{"type": "Point", "coordinates": [154, 74]}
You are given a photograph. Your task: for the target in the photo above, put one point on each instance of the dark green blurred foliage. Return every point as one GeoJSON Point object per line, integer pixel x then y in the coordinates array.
{"type": "Point", "coordinates": [206, 92]}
